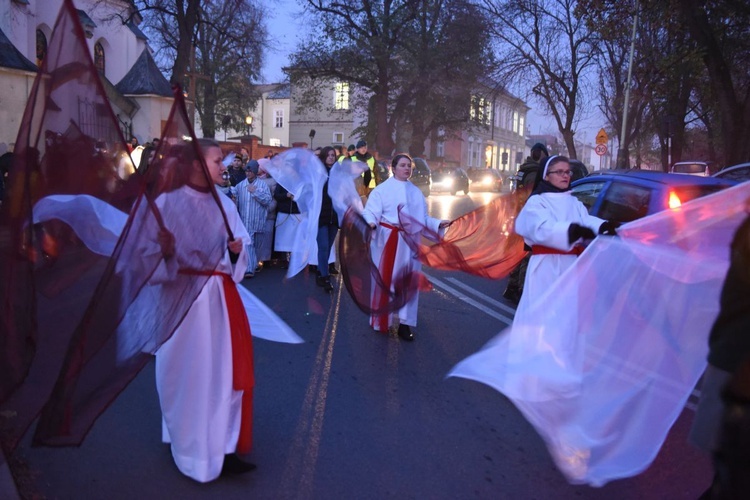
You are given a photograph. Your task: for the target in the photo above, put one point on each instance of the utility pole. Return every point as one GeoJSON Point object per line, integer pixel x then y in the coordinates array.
{"type": "Point", "coordinates": [621, 159]}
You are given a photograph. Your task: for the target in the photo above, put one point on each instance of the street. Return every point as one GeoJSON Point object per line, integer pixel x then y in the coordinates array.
{"type": "Point", "coordinates": [355, 414]}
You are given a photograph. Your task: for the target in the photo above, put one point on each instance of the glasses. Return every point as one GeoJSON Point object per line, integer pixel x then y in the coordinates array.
{"type": "Point", "coordinates": [566, 173]}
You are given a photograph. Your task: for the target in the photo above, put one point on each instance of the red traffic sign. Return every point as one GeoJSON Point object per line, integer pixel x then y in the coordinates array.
{"type": "Point", "coordinates": [600, 149]}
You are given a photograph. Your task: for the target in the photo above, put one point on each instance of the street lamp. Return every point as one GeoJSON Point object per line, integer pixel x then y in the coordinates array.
{"type": "Point", "coordinates": [249, 123]}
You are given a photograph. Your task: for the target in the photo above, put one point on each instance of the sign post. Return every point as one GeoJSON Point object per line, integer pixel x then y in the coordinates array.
{"type": "Point", "coordinates": [601, 145]}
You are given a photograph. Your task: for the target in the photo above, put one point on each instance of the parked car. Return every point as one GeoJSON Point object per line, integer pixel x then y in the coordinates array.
{"type": "Point", "coordinates": [450, 179]}
{"type": "Point", "coordinates": [699, 168]}
{"type": "Point", "coordinates": [485, 179]}
{"type": "Point", "coordinates": [421, 175]}
{"type": "Point", "coordinates": [738, 173]}
{"type": "Point", "coordinates": [626, 195]}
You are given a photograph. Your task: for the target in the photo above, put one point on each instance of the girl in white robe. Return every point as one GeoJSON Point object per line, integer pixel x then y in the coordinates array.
{"type": "Point", "coordinates": [382, 214]}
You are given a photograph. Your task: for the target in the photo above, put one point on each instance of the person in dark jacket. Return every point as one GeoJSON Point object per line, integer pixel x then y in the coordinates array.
{"type": "Point", "coordinates": [328, 226]}
{"type": "Point", "coordinates": [526, 176]}
{"type": "Point", "coordinates": [728, 372]}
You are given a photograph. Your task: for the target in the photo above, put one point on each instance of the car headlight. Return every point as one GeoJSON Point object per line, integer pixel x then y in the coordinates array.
{"type": "Point", "coordinates": [448, 182]}
{"type": "Point", "coordinates": [487, 180]}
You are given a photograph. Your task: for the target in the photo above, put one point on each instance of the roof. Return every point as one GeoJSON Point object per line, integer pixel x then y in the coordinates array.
{"type": "Point", "coordinates": [660, 177]}
{"type": "Point", "coordinates": [144, 78]}
{"type": "Point", "coordinates": [137, 31]}
{"type": "Point", "coordinates": [86, 21]}
{"type": "Point", "coordinates": [11, 57]}
{"type": "Point", "coordinates": [282, 92]}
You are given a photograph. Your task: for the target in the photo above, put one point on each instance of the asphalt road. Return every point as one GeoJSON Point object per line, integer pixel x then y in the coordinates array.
{"type": "Point", "coordinates": [355, 414]}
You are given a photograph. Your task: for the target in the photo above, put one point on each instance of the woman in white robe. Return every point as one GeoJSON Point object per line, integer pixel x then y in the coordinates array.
{"type": "Point", "coordinates": [382, 214]}
{"type": "Point", "coordinates": [555, 225]}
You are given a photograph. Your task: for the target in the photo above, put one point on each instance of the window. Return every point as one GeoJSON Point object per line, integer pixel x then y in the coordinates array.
{"type": "Point", "coordinates": [338, 138]}
{"type": "Point", "coordinates": [515, 122]}
{"type": "Point", "coordinates": [41, 47]}
{"type": "Point", "coordinates": [521, 130]}
{"type": "Point", "coordinates": [625, 202]}
{"type": "Point", "coordinates": [99, 60]}
{"type": "Point", "coordinates": [341, 96]}
{"type": "Point", "coordinates": [473, 152]}
{"type": "Point", "coordinates": [278, 118]}
{"type": "Point", "coordinates": [440, 149]}
{"type": "Point", "coordinates": [587, 193]}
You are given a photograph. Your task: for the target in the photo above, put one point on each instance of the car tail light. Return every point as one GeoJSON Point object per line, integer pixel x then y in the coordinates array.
{"type": "Point", "coordinates": [674, 200]}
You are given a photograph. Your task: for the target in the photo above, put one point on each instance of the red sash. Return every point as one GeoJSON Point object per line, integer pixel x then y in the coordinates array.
{"type": "Point", "coordinates": [542, 250]}
{"type": "Point", "coordinates": [242, 354]}
{"type": "Point", "coordinates": [387, 263]}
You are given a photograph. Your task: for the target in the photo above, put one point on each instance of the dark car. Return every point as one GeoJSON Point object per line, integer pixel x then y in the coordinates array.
{"type": "Point", "coordinates": [485, 179]}
{"type": "Point", "coordinates": [739, 173]}
{"type": "Point", "coordinates": [450, 179]}
{"type": "Point", "coordinates": [626, 195]}
{"type": "Point", "coordinates": [421, 176]}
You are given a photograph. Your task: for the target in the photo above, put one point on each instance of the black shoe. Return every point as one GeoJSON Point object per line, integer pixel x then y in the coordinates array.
{"type": "Point", "coordinates": [405, 332]}
{"type": "Point", "coordinates": [325, 282]}
{"type": "Point", "coordinates": [233, 465]}
{"type": "Point", "coordinates": [332, 269]}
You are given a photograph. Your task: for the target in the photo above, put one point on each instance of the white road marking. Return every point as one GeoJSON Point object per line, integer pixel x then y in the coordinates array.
{"type": "Point", "coordinates": [486, 298]}
{"type": "Point", "coordinates": [469, 300]}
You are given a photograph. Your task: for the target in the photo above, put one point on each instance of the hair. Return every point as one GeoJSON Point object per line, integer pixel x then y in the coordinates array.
{"type": "Point", "coordinates": [396, 158]}
{"type": "Point", "coordinates": [205, 144]}
{"type": "Point", "coordinates": [324, 153]}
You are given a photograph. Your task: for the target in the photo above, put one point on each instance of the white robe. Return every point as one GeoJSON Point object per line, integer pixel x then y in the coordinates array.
{"type": "Point", "coordinates": [545, 220]}
{"type": "Point", "coordinates": [382, 206]}
{"type": "Point", "coordinates": [200, 408]}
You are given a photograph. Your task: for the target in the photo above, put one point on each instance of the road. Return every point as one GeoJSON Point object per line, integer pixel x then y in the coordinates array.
{"type": "Point", "coordinates": [355, 414]}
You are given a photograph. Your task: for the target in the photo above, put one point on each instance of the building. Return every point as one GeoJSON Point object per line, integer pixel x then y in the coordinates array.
{"type": "Point", "coordinates": [139, 94]}
{"type": "Point", "coordinates": [271, 115]}
{"type": "Point", "coordinates": [493, 138]}
{"type": "Point", "coordinates": [324, 112]}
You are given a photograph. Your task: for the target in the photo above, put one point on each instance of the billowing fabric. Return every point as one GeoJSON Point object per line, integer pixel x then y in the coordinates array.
{"type": "Point", "coordinates": [482, 242]}
{"type": "Point", "coordinates": [603, 361]}
{"type": "Point", "coordinates": [341, 187]}
{"type": "Point", "coordinates": [383, 207]}
{"type": "Point", "coordinates": [301, 173]}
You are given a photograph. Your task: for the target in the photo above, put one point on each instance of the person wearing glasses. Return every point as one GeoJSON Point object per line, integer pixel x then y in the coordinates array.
{"type": "Point", "coordinates": [555, 226]}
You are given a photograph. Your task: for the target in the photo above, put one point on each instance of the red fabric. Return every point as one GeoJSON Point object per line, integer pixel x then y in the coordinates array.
{"type": "Point", "coordinates": [61, 355]}
{"type": "Point", "coordinates": [386, 268]}
{"type": "Point", "coordinates": [542, 250]}
{"type": "Point", "coordinates": [481, 242]}
{"type": "Point", "coordinates": [242, 354]}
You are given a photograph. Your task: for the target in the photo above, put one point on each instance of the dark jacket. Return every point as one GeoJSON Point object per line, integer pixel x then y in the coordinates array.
{"type": "Point", "coordinates": [729, 341]}
{"type": "Point", "coordinates": [328, 215]}
{"type": "Point", "coordinates": [284, 204]}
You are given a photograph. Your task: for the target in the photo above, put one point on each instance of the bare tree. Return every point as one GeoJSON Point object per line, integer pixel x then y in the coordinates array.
{"type": "Point", "coordinates": [543, 46]}
{"type": "Point", "coordinates": [719, 29]}
{"type": "Point", "coordinates": [229, 55]}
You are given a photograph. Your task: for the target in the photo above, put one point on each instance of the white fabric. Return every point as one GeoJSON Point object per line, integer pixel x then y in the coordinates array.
{"type": "Point", "coordinates": [301, 173]}
{"type": "Point", "coordinates": [99, 225]}
{"type": "Point", "coordinates": [603, 361]}
{"type": "Point", "coordinates": [383, 205]}
{"type": "Point", "coordinates": [287, 228]}
{"type": "Point", "coordinates": [341, 187]}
